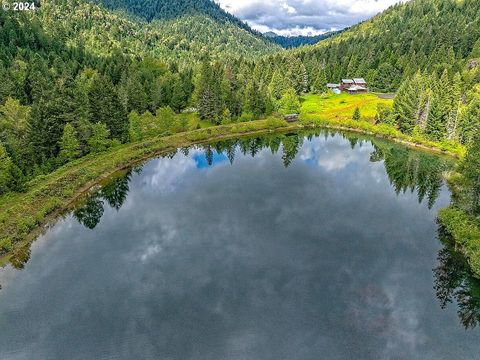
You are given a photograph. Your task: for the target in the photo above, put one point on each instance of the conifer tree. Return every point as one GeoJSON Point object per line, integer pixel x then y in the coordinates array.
{"type": "Point", "coordinates": [319, 82]}
{"type": "Point", "coordinates": [455, 105]}
{"type": "Point", "coordinates": [178, 101]}
{"type": "Point", "coordinates": [5, 170]}
{"type": "Point", "coordinates": [134, 128]}
{"type": "Point", "coordinates": [254, 99]}
{"type": "Point", "coordinates": [289, 103]}
{"type": "Point", "coordinates": [440, 108]}
{"type": "Point", "coordinates": [49, 116]}
{"type": "Point", "coordinates": [470, 169]}
{"type": "Point", "coordinates": [470, 118]}
{"type": "Point", "coordinates": [136, 96]}
{"type": "Point", "coordinates": [408, 103]}
{"type": "Point", "coordinates": [208, 92]}
{"type": "Point", "coordinates": [279, 85]}
{"type": "Point", "coordinates": [69, 145]}
{"type": "Point", "coordinates": [99, 141]}
{"type": "Point", "coordinates": [105, 107]}
{"type": "Point", "coordinates": [356, 114]}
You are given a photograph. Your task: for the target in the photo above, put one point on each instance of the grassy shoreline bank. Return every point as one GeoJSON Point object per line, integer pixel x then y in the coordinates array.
{"type": "Point", "coordinates": [23, 216]}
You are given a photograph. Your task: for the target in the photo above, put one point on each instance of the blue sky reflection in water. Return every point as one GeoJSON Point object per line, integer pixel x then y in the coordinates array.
{"type": "Point", "coordinates": [322, 259]}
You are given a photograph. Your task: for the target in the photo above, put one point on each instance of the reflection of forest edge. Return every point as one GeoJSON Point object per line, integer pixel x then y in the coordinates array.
{"type": "Point", "coordinates": [407, 170]}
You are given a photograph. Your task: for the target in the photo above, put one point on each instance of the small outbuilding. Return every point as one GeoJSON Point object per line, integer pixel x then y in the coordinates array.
{"type": "Point", "coordinates": [333, 86]}
{"type": "Point", "coordinates": [291, 117]}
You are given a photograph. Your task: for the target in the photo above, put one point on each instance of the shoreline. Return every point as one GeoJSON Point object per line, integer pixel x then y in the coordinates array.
{"type": "Point", "coordinates": [22, 221]}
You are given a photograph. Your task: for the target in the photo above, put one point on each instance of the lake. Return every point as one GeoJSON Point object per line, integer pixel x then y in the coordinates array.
{"type": "Point", "coordinates": [319, 246]}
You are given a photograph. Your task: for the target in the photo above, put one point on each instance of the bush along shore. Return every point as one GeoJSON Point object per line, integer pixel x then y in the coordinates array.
{"type": "Point", "coordinates": [23, 215]}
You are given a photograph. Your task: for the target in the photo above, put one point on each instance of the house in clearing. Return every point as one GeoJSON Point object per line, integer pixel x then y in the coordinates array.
{"type": "Point", "coordinates": [360, 82]}
{"type": "Point", "coordinates": [354, 86]}
{"type": "Point", "coordinates": [345, 84]}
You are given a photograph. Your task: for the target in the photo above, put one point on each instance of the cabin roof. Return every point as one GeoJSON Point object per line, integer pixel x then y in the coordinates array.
{"type": "Point", "coordinates": [359, 81]}
{"type": "Point", "coordinates": [331, 85]}
{"type": "Point", "coordinates": [347, 81]}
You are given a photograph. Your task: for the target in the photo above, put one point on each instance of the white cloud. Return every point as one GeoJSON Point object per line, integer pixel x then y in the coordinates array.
{"type": "Point", "coordinates": [304, 17]}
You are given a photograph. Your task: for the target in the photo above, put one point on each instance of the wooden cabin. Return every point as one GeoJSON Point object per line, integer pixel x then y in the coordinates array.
{"type": "Point", "coordinates": [346, 83]}
{"type": "Point", "coordinates": [352, 86]}
{"type": "Point", "coordinates": [360, 82]}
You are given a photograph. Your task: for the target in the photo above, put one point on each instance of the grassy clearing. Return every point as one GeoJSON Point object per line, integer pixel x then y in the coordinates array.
{"type": "Point", "coordinates": [341, 107]}
{"type": "Point", "coordinates": [336, 111]}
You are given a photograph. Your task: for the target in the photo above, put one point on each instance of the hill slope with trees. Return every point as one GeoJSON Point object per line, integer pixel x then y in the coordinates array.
{"type": "Point", "coordinates": [168, 9]}
{"type": "Point", "coordinates": [189, 36]}
{"type": "Point", "coordinates": [289, 42]}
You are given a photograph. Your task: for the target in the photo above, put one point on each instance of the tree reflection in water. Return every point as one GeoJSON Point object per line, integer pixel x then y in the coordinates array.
{"type": "Point", "coordinates": [115, 192]}
{"type": "Point", "coordinates": [454, 280]}
{"type": "Point", "coordinates": [407, 170]}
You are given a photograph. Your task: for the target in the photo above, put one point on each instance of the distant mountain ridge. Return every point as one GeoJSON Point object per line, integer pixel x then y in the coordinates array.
{"type": "Point", "coordinates": [171, 9]}
{"type": "Point", "coordinates": [183, 33]}
{"type": "Point", "coordinates": [289, 42]}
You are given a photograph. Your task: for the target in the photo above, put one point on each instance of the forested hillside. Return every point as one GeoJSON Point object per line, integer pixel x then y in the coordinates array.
{"type": "Point", "coordinates": [421, 35]}
{"type": "Point", "coordinates": [188, 37]}
{"type": "Point", "coordinates": [428, 50]}
{"type": "Point", "coordinates": [77, 79]}
{"type": "Point", "coordinates": [289, 42]}
{"type": "Point", "coordinates": [168, 9]}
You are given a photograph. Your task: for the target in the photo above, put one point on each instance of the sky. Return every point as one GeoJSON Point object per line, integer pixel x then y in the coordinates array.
{"type": "Point", "coordinates": [304, 17]}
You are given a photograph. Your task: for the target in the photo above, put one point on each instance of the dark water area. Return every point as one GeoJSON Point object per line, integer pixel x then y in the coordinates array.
{"type": "Point", "coordinates": [280, 247]}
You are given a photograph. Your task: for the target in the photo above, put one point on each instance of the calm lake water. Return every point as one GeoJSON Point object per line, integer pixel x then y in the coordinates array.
{"type": "Point", "coordinates": [322, 247]}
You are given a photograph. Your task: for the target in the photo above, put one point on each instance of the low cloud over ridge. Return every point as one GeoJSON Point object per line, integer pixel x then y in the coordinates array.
{"type": "Point", "coordinates": [303, 17]}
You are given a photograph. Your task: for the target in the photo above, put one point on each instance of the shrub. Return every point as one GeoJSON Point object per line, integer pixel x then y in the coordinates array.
{"type": "Point", "coordinates": [273, 123]}
{"type": "Point", "coordinates": [289, 103]}
{"type": "Point", "coordinates": [5, 245]}
{"type": "Point", "coordinates": [246, 117]}
{"type": "Point", "coordinates": [384, 115]}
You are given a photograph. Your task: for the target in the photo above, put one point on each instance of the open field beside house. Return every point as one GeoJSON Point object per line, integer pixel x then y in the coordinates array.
{"type": "Point", "coordinates": [341, 107]}
{"type": "Point", "coordinates": [336, 111]}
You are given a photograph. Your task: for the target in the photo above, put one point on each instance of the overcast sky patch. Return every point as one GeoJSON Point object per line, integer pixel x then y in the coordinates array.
{"type": "Point", "coordinates": [303, 17]}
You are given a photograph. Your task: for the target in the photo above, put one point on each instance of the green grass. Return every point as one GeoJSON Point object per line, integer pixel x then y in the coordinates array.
{"type": "Point", "coordinates": [336, 111]}
{"type": "Point", "coordinates": [194, 121]}
{"type": "Point", "coordinates": [341, 107]}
